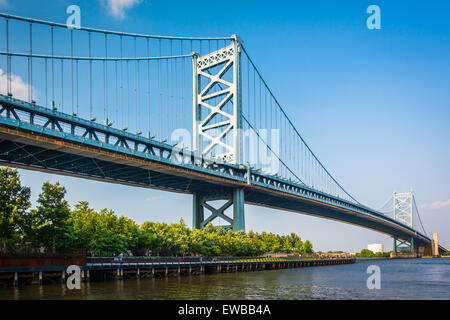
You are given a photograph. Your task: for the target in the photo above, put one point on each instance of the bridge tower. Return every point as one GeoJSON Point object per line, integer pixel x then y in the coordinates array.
{"type": "Point", "coordinates": [403, 212]}
{"type": "Point", "coordinates": [403, 207]}
{"type": "Point", "coordinates": [435, 244]}
{"type": "Point", "coordinates": [217, 128]}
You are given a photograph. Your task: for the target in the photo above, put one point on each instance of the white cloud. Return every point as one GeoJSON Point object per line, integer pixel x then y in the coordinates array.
{"type": "Point", "coordinates": [18, 87]}
{"type": "Point", "coordinates": [117, 7]}
{"type": "Point", "coordinates": [436, 205]}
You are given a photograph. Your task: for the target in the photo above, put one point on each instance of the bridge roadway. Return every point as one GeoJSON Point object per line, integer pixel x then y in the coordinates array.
{"type": "Point", "coordinates": [38, 138]}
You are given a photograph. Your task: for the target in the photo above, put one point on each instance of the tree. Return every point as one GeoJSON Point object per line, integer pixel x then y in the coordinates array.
{"type": "Point", "coordinates": [308, 248]}
{"type": "Point", "coordinates": [298, 247]}
{"type": "Point", "coordinates": [14, 201]}
{"type": "Point", "coordinates": [287, 246]}
{"type": "Point", "coordinates": [366, 253]}
{"type": "Point", "coordinates": [84, 225]}
{"type": "Point", "coordinates": [53, 225]}
{"type": "Point", "coordinates": [110, 243]}
{"type": "Point", "coordinates": [50, 219]}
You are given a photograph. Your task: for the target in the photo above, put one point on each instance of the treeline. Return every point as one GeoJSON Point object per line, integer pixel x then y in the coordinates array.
{"type": "Point", "coordinates": [366, 253]}
{"type": "Point", "coordinates": [52, 224]}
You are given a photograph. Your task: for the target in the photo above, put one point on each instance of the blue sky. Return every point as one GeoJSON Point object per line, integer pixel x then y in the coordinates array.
{"type": "Point", "coordinates": [372, 104]}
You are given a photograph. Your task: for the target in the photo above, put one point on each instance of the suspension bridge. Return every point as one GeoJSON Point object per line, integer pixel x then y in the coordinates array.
{"type": "Point", "coordinates": [183, 114]}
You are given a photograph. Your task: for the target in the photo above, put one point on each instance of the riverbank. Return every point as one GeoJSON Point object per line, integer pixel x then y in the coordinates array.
{"type": "Point", "coordinates": [373, 258]}
{"type": "Point", "coordinates": [400, 279]}
{"type": "Point", "coordinates": [114, 269]}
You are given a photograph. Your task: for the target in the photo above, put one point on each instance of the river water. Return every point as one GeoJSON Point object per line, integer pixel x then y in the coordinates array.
{"type": "Point", "coordinates": [400, 279]}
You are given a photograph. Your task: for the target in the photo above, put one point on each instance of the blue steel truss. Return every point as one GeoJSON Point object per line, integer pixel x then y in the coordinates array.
{"type": "Point", "coordinates": [39, 138]}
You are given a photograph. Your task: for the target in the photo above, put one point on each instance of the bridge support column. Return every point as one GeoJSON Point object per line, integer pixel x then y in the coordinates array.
{"type": "Point", "coordinates": [435, 245]}
{"type": "Point", "coordinates": [198, 212]}
{"type": "Point", "coordinates": [404, 248]}
{"type": "Point", "coordinates": [234, 198]}
{"type": "Point", "coordinates": [238, 209]}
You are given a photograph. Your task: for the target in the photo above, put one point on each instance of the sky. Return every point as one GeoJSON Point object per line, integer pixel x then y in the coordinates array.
{"type": "Point", "coordinates": [373, 104]}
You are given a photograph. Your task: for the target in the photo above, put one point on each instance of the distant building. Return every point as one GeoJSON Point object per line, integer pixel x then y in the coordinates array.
{"type": "Point", "coordinates": [375, 247]}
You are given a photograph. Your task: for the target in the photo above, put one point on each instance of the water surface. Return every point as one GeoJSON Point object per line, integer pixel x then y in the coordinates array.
{"type": "Point", "coordinates": [400, 279]}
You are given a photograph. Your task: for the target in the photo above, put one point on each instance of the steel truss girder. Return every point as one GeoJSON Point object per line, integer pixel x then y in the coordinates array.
{"type": "Point", "coordinates": [197, 163]}
{"type": "Point", "coordinates": [93, 132]}
{"type": "Point", "coordinates": [406, 243]}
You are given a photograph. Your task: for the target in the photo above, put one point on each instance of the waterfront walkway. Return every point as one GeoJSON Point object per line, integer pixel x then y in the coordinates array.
{"type": "Point", "coordinates": [132, 268]}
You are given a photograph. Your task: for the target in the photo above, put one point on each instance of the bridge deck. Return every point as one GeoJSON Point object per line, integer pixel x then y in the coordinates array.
{"type": "Point", "coordinates": [58, 149]}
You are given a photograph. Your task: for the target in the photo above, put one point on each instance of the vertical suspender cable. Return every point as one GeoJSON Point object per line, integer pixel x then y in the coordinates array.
{"type": "Point", "coordinates": [46, 83]}
{"type": "Point", "coordinates": [128, 94]}
{"type": "Point", "coordinates": [177, 104]}
{"type": "Point", "coordinates": [90, 77]}
{"type": "Point", "coordinates": [183, 67]}
{"type": "Point", "coordinates": [8, 62]}
{"type": "Point", "coordinates": [105, 83]}
{"type": "Point", "coordinates": [117, 92]}
{"type": "Point", "coordinates": [62, 85]}
{"type": "Point", "coordinates": [53, 68]}
{"type": "Point", "coordinates": [71, 69]}
{"type": "Point", "coordinates": [77, 89]}
{"type": "Point", "coordinates": [30, 73]}
{"type": "Point", "coordinates": [160, 92]}
{"type": "Point", "coordinates": [148, 85]}
{"type": "Point", "coordinates": [121, 80]}
{"type": "Point", "coordinates": [172, 89]}
{"type": "Point", "coordinates": [260, 105]}
{"type": "Point", "coordinates": [135, 84]}
{"type": "Point", "coordinates": [168, 98]}
{"type": "Point", "coordinates": [138, 97]}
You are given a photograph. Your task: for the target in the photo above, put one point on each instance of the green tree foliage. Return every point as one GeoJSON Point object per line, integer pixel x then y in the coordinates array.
{"type": "Point", "coordinates": [307, 247]}
{"type": "Point", "coordinates": [102, 233]}
{"type": "Point", "coordinates": [14, 201]}
{"type": "Point", "coordinates": [366, 253]}
{"type": "Point", "coordinates": [48, 224]}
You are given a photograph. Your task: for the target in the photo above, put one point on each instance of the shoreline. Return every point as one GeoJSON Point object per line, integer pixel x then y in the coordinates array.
{"type": "Point", "coordinates": [41, 275]}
